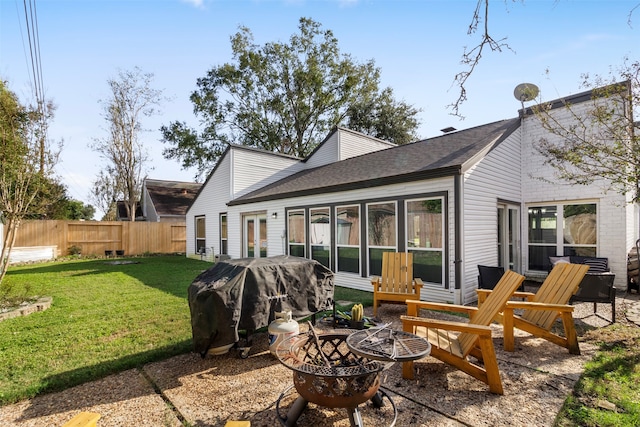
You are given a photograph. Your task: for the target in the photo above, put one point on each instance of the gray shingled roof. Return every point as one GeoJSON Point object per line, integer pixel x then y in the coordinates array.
{"type": "Point", "coordinates": [172, 197]}
{"type": "Point", "coordinates": [434, 157]}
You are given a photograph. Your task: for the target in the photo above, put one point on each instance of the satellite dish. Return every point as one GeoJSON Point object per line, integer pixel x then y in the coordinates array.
{"type": "Point", "coordinates": [525, 92]}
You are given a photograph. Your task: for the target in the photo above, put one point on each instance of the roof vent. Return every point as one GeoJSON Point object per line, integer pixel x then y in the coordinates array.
{"type": "Point", "coordinates": [448, 129]}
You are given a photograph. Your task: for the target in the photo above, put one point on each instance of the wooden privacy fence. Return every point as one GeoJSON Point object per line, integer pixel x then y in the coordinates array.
{"type": "Point", "coordinates": [96, 237]}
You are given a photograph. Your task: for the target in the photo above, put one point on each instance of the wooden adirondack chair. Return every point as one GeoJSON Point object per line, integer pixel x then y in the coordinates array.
{"type": "Point", "coordinates": [454, 342]}
{"type": "Point", "coordinates": [543, 308]}
{"type": "Point", "coordinates": [396, 284]}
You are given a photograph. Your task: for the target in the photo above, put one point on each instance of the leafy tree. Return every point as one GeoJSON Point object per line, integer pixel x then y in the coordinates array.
{"type": "Point", "coordinates": [76, 210]}
{"type": "Point", "coordinates": [385, 118]}
{"type": "Point", "coordinates": [602, 143]}
{"type": "Point", "coordinates": [285, 97]}
{"type": "Point", "coordinates": [26, 164]}
{"type": "Point", "coordinates": [131, 99]}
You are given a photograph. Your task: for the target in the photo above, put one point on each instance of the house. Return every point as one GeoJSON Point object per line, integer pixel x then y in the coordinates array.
{"type": "Point", "coordinates": [456, 201]}
{"type": "Point", "coordinates": [167, 201]}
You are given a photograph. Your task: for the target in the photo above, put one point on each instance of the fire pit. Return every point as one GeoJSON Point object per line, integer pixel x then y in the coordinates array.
{"type": "Point", "coordinates": [326, 372]}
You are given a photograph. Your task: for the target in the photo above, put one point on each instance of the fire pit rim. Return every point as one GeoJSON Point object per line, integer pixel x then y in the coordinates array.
{"type": "Point", "coordinates": [287, 349]}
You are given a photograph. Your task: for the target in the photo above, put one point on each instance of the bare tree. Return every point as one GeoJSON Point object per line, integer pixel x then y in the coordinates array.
{"type": "Point", "coordinates": [26, 164]}
{"type": "Point", "coordinates": [131, 99]}
{"type": "Point", "coordinates": [471, 57]}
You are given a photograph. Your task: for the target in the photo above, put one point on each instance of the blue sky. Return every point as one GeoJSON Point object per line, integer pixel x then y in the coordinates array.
{"type": "Point", "coordinates": [417, 45]}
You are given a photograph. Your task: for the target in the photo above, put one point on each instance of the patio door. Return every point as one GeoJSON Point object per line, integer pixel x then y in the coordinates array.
{"type": "Point", "coordinates": [509, 251]}
{"type": "Point", "coordinates": [255, 236]}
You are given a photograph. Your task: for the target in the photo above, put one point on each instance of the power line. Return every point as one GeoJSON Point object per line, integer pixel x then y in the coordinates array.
{"type": "Point", "coordinates": [33, 36]}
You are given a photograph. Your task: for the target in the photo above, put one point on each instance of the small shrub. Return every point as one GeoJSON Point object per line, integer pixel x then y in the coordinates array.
{"type": "Point", "coordinates": [75, 250]}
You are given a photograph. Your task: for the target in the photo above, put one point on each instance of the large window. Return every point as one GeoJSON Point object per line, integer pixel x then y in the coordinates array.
{"type": "Point", "coordinates": [561, 230]}
{"type": "Point", "coordinates": [320, 235]}
{"type": "Point", "coordinates": [223, 235]}
{"type": "Point", "coordinates": [201, 241]}
{"type": "Point", "coordinates": [425, 228]}
{"type": "Point", "coordinates": [381, 233]}
{"type": "Point", "coordinates": [296, 233]}
{"type": "Point", "coordinates": [348, 238]}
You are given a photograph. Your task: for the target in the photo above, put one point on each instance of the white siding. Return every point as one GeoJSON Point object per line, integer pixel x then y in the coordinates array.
{"type": "Point", "coordinates": [149, 210]}
{"type": "Point", "coordinates": [212, 200]}
{"type": "Point", "coordinates": [252, 170]}
{"type": "Point", "coordinates": [352, 144]}
{"type": "Point", "coordinates": [344, 144]}
{"type": "Point", "coordinates": [495, 177]}
{"type": "Point", "coordinates": [326, 153]}
{"type": "Point", "coordinates": [613, 235]}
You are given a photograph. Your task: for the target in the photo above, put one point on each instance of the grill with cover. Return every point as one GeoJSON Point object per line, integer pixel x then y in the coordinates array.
{"type": "Point", "coordinates": [243, 294]}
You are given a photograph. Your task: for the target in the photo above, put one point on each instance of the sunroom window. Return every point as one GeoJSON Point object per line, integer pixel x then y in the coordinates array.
{"type": "Point", "coordinates": [381, 233]}
{"type": "Point", "coordinates": [320, 235]}
{"type": "Point", "coordinates": [348, 238]}
{"type": "Point", "coordinates": [425, 227]}
{"type": "Point", "coordinates": [296, 233]}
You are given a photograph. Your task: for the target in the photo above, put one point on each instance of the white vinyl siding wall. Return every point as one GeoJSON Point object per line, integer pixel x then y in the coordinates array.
{"type": "Point", "coordinates": [495, 177]}
{"type": "Point", "coordinates": [254, 169]}
{"type": "Point", "coordinates": [613, 240]}
{"type": "Point", "coordinates": [212, 200]}
{"type": "Point", "coordinates": [353, 144]}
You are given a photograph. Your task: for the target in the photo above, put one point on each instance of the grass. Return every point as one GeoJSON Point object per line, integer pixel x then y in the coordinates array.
{"type": "Point", "coordinates": [608, 392]}
{"type": "Point", "coordinates": [104, 319]}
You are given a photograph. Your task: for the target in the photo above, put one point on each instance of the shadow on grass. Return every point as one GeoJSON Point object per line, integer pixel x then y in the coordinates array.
{"type": "Point", "coordinates": [171, 274]}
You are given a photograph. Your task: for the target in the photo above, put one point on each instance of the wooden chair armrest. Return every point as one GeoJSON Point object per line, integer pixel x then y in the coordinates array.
{"type": "Point", "coordinates": [446, 324]}
{"type": "Point", "coordinates": [528, 305]}
{"type": "Point", "coordinates": [521, 294]}
{"type": "Point", "coordinates": [414, 305]}
{"type": "Point", "coordinates": [418, 283]}
{"type": "Point", "coordinates": [484, 293]}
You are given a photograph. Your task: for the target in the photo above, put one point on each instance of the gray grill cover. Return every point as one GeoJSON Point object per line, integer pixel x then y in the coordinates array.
{"type": "Point", "coordinates": [244, 294]}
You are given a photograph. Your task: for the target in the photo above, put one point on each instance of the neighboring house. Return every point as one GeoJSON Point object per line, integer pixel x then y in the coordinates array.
{"type": "Point", "coordinates": [167, 201]}
{"type": "Point", "coordinates": [456, 201]}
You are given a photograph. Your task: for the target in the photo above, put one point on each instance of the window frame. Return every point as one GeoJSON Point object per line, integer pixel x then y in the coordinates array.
{"type": "Point", "coordinates": [561, 247]}
{"type": "Point", "coordinates": [371, 265]}
{"type": "Point", "coordinates": [339, 245]}
{"type": "Point", "coordinates": [224, 233]}
{"type": "Point", "coordinates": [423, 250]}
{"type": "Point", "coordinates": [197, 238]}
{"type": "Point", "coordinates": [302, 244]}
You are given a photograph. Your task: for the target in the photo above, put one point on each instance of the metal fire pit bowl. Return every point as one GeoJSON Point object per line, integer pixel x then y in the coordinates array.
{"type": "Point", "coordinates": [332, 375]}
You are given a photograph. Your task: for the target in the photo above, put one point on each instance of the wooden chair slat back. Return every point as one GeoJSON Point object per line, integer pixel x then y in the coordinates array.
{"type": "Point", "coordinates": [561, 283]}
{"type": "Point", "coordinates": [494, 303]}
{"type": "Point", "coordinates": [397, 272]}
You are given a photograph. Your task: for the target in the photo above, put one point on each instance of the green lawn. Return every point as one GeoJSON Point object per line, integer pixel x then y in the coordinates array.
{"type": "Point", "coordinates": [104, 319]}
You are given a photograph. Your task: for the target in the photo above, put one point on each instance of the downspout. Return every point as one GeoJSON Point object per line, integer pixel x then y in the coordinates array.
{"type": "Point", "coordinates": [457, 196]}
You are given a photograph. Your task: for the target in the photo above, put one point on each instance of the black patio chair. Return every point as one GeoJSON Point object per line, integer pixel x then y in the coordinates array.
{"type": "Point", "coordinates": [489, 276]}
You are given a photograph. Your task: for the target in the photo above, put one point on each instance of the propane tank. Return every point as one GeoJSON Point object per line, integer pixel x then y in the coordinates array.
{"type": "Point", "coordinates": [281, 328]}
